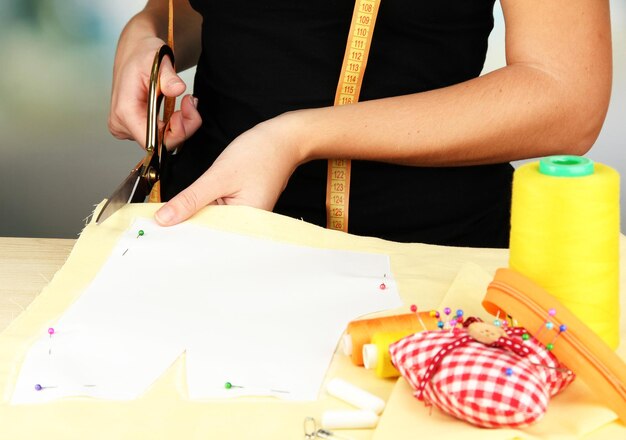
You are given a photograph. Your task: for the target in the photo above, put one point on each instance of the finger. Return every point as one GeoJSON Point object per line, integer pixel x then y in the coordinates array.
{"type": "Point", "coordinates": [186, 203]}
{"type": "Point", "coordinates": [183, 123]}
{"type": "Point", "coordinates": [128, 121]}
{"type": "Point", "coordinates": [171, 84]}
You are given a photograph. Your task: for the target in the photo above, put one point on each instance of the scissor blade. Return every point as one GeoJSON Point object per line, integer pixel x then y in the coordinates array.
{"type": "Point", "coordinates": [130, 190]}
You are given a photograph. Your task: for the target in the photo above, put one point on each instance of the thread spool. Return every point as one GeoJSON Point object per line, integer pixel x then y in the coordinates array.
{"type": "Point", "coordinates": [349, 419]}
{"type": "Point", "coordinates": [360, 332]}
{"type": "Point", "coordinates": [376, 354]}
{"type": "Point", "coordinates": [355, 396]}
{"type": "Point", "coordinates": [565, 236]}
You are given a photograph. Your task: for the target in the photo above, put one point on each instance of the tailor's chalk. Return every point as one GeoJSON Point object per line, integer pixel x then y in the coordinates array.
{"type": "Point", "coordinates": [354, 395]}
{"type": "Point", "coordinates": [349, 419]}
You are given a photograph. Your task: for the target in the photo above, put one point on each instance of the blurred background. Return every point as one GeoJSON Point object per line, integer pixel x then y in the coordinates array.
{"type": "Point", "coordinates": [57, 158]}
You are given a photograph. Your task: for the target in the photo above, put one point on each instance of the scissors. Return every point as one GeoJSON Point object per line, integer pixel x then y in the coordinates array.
{"type": "Point", "coordinates": [139, 183]}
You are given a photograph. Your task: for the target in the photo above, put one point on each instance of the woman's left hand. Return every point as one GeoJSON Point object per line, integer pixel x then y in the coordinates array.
{"type": "Point", "coordinates": [253, 171]}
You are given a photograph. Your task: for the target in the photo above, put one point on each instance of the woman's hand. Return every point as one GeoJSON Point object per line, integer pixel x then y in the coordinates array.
{"type": "Point", "coordinates": [131, 77]}
{"type": "Point", "coordinates": [137, 46]}
{"type": "Point", "coordinates": [253, 171]}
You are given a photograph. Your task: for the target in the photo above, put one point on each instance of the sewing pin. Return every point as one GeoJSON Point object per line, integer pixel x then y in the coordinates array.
{"type": "Point", "coordinates": [50, 332]}
{"type": "Point", "coordinates": [547, 325]}
{"type": "Point", "coordinates": [383, 286]}
{"type": "Point", "coordinates": [550, 345]}
{"type": "Point", "coordinates": [229, 386]}
{"type": "Point", "coordinates": [497, 321]}
{"type": "Point", "coordinates": [414, 310]}
{"type": "Point", "coordinates": [139, 234]}
{"type": "Point", "coordinates": [452, 323]}
{"type": "Point", "coordinates": [39, 387]}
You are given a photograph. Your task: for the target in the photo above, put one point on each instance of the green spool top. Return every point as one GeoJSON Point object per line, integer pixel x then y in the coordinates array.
{"type": "Point", "coordinates": [566, 166]}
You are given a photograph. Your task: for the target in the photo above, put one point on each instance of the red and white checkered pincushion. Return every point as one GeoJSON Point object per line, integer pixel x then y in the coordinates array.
{"type": "Point", "coordinates": [504, 384]}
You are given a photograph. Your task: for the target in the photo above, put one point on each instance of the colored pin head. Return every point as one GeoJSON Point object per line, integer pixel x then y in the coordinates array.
{"type": "Point", "coordinates": [50, 331]}
{"type": "Point", "coordinates": [459, 313]}
{"type": "Point", "coordinates": [509, 371]}
{"type": "Point", "coordinates": [413, 308]}
{"type": "Point", "coordinates": [140, 233]}
{"type": "Point", "coordinates": [447, 310]}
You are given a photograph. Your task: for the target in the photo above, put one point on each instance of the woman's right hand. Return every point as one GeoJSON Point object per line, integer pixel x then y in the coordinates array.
{"type": "Point", "coordinates": [131, 77]}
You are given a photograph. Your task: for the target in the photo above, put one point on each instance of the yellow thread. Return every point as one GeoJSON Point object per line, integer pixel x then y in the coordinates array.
{"type": "Point", "coordinates": [565, 237]}
{"type": "Point", "coordinates": [382, 341]}
{"type": "Point", "coordinates": [361, 331]}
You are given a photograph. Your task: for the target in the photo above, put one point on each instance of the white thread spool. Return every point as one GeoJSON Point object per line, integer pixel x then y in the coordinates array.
{"type": "Point", "coordinates": [355, 396]}
{"type": "Point", "coordinates": [370, 356]}
{"type": "Point", "coordinates": [346, 344]}
{"type": "Point", "coordinates": [349, 419]}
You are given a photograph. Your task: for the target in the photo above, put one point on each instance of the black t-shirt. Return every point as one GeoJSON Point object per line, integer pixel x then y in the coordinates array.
{"type": "Point", "coordinates": [263, 58]}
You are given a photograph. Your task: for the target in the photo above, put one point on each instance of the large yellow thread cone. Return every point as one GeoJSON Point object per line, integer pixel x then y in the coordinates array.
{"type": "Point", "coordinates": [565, 236]}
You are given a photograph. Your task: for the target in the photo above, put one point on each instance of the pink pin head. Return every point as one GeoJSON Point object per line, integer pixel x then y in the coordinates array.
{"type": "Point", "coordinates": [413, 308]}
{"type": "Point", "coordinates": [552, 312]}
{"type": "Point", "coordinates": [382, 286]}
{"type": "Point", "coordinates": [50, 331]}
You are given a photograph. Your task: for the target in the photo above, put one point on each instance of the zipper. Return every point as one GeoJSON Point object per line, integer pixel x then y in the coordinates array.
{"type": "Point", "coordinates": [540, 313]}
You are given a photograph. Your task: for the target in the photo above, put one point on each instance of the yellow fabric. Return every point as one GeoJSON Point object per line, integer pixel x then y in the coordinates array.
{"type": "Point", "coordinates": [424, 274]}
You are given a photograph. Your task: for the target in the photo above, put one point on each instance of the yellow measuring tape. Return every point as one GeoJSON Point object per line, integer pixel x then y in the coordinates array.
{"type": "Point", "coordinates": [348, 90]}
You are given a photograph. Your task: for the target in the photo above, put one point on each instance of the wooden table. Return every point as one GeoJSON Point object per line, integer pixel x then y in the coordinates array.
{"type": "Point", "coordinates": [26, 266]}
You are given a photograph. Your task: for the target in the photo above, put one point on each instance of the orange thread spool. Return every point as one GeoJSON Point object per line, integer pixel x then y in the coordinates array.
{"type": "Point", "coordinates": [361, 331]}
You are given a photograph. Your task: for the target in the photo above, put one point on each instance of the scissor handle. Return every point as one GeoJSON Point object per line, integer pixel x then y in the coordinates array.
{"type": "Point", "coordinates": [155, 97]}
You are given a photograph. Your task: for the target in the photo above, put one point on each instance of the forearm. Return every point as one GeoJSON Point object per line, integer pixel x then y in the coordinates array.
{"type": "Point", "coordinates": [513, 113]}
{"type": "Point", "coordinates": [551, 98]}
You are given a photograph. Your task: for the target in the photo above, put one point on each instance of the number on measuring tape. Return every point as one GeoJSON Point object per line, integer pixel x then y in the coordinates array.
{"type": "Point", "coordinates": [348, 90]}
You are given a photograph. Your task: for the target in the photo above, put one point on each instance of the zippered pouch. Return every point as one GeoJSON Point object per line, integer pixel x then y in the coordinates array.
{"type": "Point", "coordinates": [573, 343]}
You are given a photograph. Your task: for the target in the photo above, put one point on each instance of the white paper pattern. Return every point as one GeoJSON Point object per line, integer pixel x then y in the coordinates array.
{"type": "Point", "coordinates": [262, 315]}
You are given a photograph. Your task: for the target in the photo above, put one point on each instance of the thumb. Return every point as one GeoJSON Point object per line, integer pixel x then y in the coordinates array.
{"type": "Point", "coordinates": [171, 84]}
{"type": "Point", "coordinates": [184, 205]}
